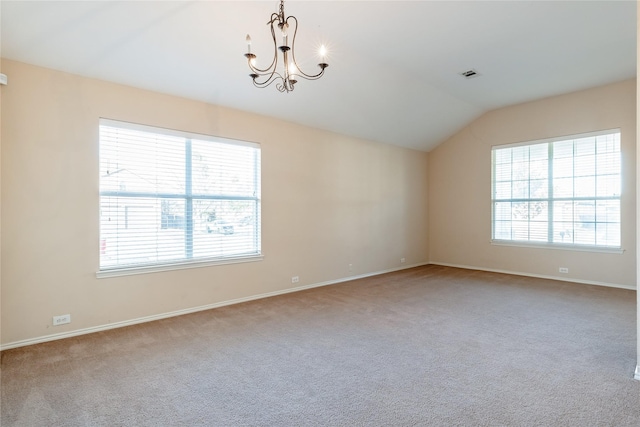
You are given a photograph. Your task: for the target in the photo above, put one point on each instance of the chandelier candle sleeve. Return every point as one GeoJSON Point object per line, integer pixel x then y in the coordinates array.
{"type": "Point", "coordinates": [290, 71]}
{"type": "Point", "coordinates": [284, 28]}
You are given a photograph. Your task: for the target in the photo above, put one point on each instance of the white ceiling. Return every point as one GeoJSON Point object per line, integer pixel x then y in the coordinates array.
{"type": "Point", "coordinates": [394, 65]}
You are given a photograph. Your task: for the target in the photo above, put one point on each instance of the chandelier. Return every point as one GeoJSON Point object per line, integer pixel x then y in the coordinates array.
{"type": "Point", "coordinates": [290, 72]}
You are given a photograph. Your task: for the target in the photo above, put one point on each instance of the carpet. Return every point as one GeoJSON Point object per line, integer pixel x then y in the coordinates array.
{"type": "Point", "coordinates": [428, 346]}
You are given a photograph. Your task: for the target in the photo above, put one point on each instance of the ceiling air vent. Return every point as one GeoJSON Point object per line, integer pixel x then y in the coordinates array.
{"type": "Point", "coordinates": [469, 74]}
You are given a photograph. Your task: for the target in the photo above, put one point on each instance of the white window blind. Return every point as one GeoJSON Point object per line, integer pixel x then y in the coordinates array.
{"type": "Point", "coordinates": [170, 197]}
{"type": "Point", "coordinates": [564, 191]}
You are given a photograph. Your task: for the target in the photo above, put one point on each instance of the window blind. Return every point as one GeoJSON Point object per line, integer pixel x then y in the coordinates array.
{"type": "Point", "coordinates": [171, 197]}
{"type": "Point", "coordinates": [560, 191]}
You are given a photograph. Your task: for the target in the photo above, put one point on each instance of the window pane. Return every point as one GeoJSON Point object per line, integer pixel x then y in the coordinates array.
{"type": "Point", "coordinates": [563, 187]}
{"type": "Point", "coordinates": [563, 232]}
{"type": "Point", "coordinates": [538, 211]}
{"type": "Point", "coordinates": [585, 146]}
{"type": "Point", "coordinates": [585, 234]}
{"type": "Point", "coordinates": [563, 167]}
{"type": "Point", "coordinates": [223, 169]}
{"type": "Point", "coordinates": [608, 186]}
{"type": "Point", "coordinates": [609, 143]}
{"type": "Point", "coordinates": [502, 211]}
{"type": "Point", "coordinates": [503, 190]}
{"type": "Point", "coordinates": [140, 230]}
{"type": "Point", "coordinates": [520, 210]}
{"type": "Point", "coordinates": [538, 232]}
{"type": "Point", "coordinates": [585, 186]}
{"type": "Point", "coordinates": [503, 156]}
{"type": "Point", "coordinates": [520, 154]}
{"type": "Point", "coordinates": [608, 211]}
{"type": "Point", "coordinates": [585, 211]}
{"type": "Point", "coordinates": [520, 171]}
{"type": "Point", "coordinates": [608, 163]}
{"type": "Point", "coordinates": [563, 149]}
{"type": "Point", "coordinates": [585, 166]}
{"type": "Point", "coordinates": [520, 230]}
{"type": "Point", "coordinates": [539, 188]}
{"type": "Point", "coordinates": [502, 230]}
{"type": "Point", "coordinates": [134, 161]}
{"type": "Point", "coordinates": [539, 169]}
{"type": "Point", "coordinates": [608, 234]}
{"type": "Point", "coordinates": [225, 228]}
{"type": "Point", "coordinates": [539, 152]}
{"type": "Point", "coordinates": [520, 189]}
{"type": "Point", "coordinates": [563, 211]}
{"type": "Point", "coordinates": [503, 172]}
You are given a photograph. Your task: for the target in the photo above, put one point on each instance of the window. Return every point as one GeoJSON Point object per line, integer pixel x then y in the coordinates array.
{"type": "Point", "coordinates": [169, 198]}
{"type": "Point", "coordinates": [563, 191]}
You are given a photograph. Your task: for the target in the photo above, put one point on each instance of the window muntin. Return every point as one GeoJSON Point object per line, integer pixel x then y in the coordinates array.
{"type": "Point", "coordinates": [564, 191]}
{"type": "Point", "coordinates": [169, 197]}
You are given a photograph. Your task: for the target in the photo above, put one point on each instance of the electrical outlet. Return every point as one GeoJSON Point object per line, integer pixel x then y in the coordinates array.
{"type": "Point", "coordinates": [295, 279]}
{"type": "Point", "coordinates": [402, 260]}
{"type": "Point", "coordinates": [350, 267]}
{"type": "Point", "coordinates": [61, 320]}
{"type": "Point", "coordinates": [564, 270]}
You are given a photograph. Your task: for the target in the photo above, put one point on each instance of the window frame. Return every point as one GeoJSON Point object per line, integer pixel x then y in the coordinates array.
{"type": "Point", "coordinates": [550, 199]}
{"type": "Point", "coordinates": [189, 261]}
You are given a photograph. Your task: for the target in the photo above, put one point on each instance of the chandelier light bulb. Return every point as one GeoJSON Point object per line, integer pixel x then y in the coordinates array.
{"type": "Point", "coordinates": [323, 52]}
{"type": "Point", "coordinates": [248, 39]}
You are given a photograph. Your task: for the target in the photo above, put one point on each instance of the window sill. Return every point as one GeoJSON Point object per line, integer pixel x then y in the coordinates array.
{"type": "Point", "coordinates": [116, 272]}
{"type": "Point", "coordinates": [557, 246]}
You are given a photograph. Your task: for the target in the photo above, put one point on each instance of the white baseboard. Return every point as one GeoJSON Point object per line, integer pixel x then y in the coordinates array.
{"type": "Point", "coordinates": [145, 319]}
{"type": "Point", "coordinates": [637, 374]}
{"type": "Point", "coordinates": [539, 276]}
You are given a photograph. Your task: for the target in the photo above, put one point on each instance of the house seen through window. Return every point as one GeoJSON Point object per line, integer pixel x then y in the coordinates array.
{"type": "Point", "coordinates": [170, 197]}
{"type": "Point", "coordinates": [563, 191]}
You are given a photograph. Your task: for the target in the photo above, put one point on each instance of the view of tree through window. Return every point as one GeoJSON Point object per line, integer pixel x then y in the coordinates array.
{"type": "Point", "coordinates": [168, 197]}
{"type": "Point", "coordinates": [561, 191]}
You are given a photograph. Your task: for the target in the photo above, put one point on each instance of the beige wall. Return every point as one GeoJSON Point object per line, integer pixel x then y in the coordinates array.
{"type": "Point", "coordinates": [328, 201]}
{"type": "Point", "coordinates": [460, 186]}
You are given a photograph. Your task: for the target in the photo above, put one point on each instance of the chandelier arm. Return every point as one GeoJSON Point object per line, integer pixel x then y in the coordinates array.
{"type": "Point", "coordinates": [274, 63]}
{"type": "Point", "coordinates": [282, 87]}
{"type": "Point", "coordinates": [311, 77]}
{"type": "Point", "coordinates": [299, 71]}
{"type": "Point", "coordinates": [273, 78]}
{"type": "Point", "coordinates": [270, 70]}
{"type": "Point", "coordinates": [274, 17]}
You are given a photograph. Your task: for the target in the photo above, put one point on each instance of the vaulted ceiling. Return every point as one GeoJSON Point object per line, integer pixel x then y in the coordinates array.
{"type": "Point", "coordinates": [394, 66]}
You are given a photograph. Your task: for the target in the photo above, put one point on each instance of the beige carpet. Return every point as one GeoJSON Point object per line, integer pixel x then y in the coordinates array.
{"type": "Point", "coordinates": [430, 346]}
